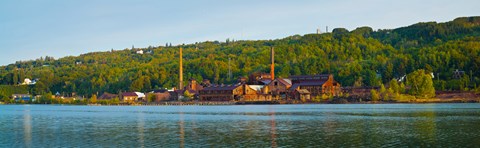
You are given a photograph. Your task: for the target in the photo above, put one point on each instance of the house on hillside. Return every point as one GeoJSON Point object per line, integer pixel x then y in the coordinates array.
{"type": "Point", "coordinates": [22, 97]}
{"type": "Point", "coordinates": [108, 96]}
{"type": "Point", "coordinates": [140, 96]}
{"type": "Point", "coordinates": [129, 96]}
{"type": "Point", "coordinates": [457, 74]}
{"type": "Point", "coordinates": [27, 81]}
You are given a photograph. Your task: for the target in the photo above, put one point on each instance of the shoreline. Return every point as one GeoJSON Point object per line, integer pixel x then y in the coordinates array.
{"type": "Point", "coordinates": [224, 103]}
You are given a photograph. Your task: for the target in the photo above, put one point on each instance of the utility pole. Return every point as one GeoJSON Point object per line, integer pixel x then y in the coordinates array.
{"type": "Point", "coordinates": [229, 70]}
{"type": "Point", "coordinates": [272, 66]}
{"type": "Point", "coordinates": [180, 85]}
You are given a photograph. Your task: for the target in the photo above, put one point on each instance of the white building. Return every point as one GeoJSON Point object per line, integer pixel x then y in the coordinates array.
{"type": "Point", "coordinates": [27, 81]}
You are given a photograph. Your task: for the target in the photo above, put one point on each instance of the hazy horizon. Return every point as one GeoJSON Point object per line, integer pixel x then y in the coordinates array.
{"type": "Point", "coordinates": [31, 29]}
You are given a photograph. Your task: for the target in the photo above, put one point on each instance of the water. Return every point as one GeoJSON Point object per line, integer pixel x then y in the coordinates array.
{"type": "Point", "coordinates": [325, 125]}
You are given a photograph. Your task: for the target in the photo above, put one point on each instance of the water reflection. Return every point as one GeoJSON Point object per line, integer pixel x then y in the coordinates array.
{"type": "Point", "coordinates": [273, 129]}
{"type": "Point", "coordinates": [27, 128]}
{"type": "Point", "coordinates": [426, 126]}
{"type": "Point", "coordinates": [329, 126]}
{"type": "Point", "coordinates": [140, 129]}
{"type": "Point", "coordinates": [383, 125]}
{"type": "Point", "coordinates": [181, 123]}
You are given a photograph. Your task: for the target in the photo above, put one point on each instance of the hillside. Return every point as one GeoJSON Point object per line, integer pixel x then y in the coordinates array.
{"type": "Point", "coordinates": [360, 57]}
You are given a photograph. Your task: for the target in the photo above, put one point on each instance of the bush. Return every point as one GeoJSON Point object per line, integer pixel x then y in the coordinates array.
{"type": "Point", "coordinates": [374, 95]}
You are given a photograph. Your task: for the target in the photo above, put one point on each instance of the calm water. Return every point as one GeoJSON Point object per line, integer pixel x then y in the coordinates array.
{"type": "Point", "coordinates": [354, 125]}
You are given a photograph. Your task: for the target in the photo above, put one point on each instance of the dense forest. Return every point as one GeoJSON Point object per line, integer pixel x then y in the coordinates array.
{"type": "Point", "coordinates": [361, 57]}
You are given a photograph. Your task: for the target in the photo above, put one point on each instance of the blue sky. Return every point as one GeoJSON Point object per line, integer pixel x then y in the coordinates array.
{"type": "Point", "coordinates": [30, 29]}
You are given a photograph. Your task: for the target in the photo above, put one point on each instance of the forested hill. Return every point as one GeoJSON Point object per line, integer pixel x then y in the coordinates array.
{"type": "Point", "coordinates": [361, 57]}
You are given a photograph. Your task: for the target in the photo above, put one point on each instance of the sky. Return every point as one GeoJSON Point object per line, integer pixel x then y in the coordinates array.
{"type": "Point", "coordinates": [30, 29]}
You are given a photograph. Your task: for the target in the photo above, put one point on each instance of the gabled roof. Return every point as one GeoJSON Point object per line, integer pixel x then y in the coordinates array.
{"type": "Point", "coordinates": [310, 77]}
{"type": "Point", "coordinates": [256, 87]}
{"type": "Point", "coordinates": [225, 87]}
{"type": "Point", "coordinates": [303, 91]}
{"type": "Point", "coordinates": [285, 81]}
{"type": "Point", "coordinates": [301, 76]}
{"type": "Point", "coordinates": [107, 95]}
{"type": "Point", "coordinates": [307, 83]}
{"type": "Point", "coordinates": [160, 90]}
{"type": "Point", "coordinates": [265, 81]}
{"type": "Point", "coordinates": [130, 94]}
{"type": "Point", "coordinates": [139, 94]}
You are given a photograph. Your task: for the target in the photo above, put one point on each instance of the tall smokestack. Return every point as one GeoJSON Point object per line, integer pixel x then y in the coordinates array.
{"type": "Point", "coordinates": [181, 71]}
{"type": "Point", "coordinates": [272, 66]}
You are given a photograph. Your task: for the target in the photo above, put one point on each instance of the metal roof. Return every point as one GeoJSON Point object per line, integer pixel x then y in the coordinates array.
{"type": "Point", "coordinates": [224, 87]}
{"type": "Point", "coordinates": [307, 83]}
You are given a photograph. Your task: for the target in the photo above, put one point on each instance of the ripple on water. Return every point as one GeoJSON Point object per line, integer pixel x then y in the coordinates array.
{"type": "Point", "coordinates": [404, 125]}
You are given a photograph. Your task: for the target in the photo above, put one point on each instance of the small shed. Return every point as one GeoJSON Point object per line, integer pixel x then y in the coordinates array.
{"type": "Point", "coordinates": [302, 94]}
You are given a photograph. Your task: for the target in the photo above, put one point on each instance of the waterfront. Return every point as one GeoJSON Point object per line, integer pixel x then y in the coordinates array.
{"type": "Point", "coordinates": [319, 125]}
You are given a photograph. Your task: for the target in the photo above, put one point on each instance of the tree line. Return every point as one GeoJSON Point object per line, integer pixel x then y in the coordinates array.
{"type": "Point", "coordinates": [361, 57]}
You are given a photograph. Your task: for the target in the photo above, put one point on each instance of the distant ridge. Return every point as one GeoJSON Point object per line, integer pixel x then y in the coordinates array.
{"type": "Point", "coordinates": [361, 56]}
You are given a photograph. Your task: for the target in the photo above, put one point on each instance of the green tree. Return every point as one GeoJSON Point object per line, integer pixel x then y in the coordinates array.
{"type": "Point", "coordinates": [137, 85]}
{"type": "Point", "coordinates": [375, 56]}
{"type": "Point", "coordinates": [383, 92]}
{"type": "Point", "coordinates": [15, 76]}
{"type": "Point", "coordinates": [187, 95]}
{"type": "Point", "coordinates": [402, 88]}
{"type": "Point", "coordinates": [358, 82]}
{"type": "Point", "coordinates": [339, 32]}
{"type": "Point", "coordinates": [421, 84]}
{"type": "Point", "coordinates": [93, 99]}
{"type": "Point", "coordinates": [46, 98]}
{"type": "Point", "coordinates": [5, 98]}
{"type": "Point", "coordinates": [115, 101]}
{"type": "Point", "coordinates": [151, 98]}
{"type": "Point", "coordinates": [374, 95]}
{"type": "Point", "coordinates": [394, 86]}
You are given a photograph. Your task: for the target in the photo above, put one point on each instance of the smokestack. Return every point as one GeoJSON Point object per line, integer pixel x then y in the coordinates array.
{"type": "Point", "coordinates": [272, 66]}
{"type": "Point", "coordinates": [181, 71]}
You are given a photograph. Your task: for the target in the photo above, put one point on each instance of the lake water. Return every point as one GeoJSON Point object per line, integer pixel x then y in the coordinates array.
{"type": "Point", "coordinates": [323, 125]}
